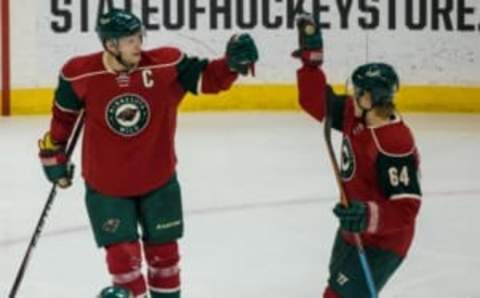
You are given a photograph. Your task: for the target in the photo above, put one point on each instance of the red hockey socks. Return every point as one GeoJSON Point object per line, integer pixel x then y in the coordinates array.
{"type": "Point", "coordinates": [163, 270]}
{"type": "Point", "coordinates": [329, 293]}
{"type": "Point", "coordinates": [124, 264]}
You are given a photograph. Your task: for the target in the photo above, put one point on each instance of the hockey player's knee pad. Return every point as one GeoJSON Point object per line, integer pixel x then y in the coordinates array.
{"type": "Point", "coordinates": [124, 262]}
{"type": "Point", "coordinates": [163, 268]}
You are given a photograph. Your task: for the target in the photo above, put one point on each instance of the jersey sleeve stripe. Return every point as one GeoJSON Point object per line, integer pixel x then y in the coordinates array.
{"type": "Point", "coordinates": [374, 217]}
{"type": "Point", "coordinates": [102, 72]}
{"type": "Point", "coordinates": [199, 84]}
{"type": "Point", "coordinates": [65, 110]}
{"type": "Point", "coordinates": [180, 58]}
{"type": "Point", "coordinates": [82, 76]}
{"type": "Point", "coordinates": [406, 196]}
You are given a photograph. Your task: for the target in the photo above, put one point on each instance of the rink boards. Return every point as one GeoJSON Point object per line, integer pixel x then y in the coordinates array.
{"type": "Point", "coordinates": [280, 97]}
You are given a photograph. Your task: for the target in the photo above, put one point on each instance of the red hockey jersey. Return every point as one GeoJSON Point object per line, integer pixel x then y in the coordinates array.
{"type": "Point", "coordinates": [130, 118]}
{"type": "Point", "coordinates": [379, 165]}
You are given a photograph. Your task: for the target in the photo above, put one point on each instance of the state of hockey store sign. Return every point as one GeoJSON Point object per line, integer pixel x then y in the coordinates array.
{"type": "Point", "coordinates": [415, 15]}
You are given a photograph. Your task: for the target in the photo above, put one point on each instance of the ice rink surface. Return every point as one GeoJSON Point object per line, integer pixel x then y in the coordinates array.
{"type": "Point", "coordinates": [257, 192]}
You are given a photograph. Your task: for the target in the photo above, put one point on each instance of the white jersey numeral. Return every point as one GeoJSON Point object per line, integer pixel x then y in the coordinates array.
{"type": "Point", "coordinates": [147, 76]}
{"type": "Point", "coordinates": [397, 177]}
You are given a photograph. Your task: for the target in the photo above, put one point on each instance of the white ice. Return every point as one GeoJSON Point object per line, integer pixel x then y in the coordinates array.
{"type": "Point", "coordinates": [258, 193]}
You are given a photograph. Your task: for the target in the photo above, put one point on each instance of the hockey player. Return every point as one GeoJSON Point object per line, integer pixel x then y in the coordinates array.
{"type": "Point", "coordinates": [130, 99]}
{"type": "Point", "coordinates": [379, 166]}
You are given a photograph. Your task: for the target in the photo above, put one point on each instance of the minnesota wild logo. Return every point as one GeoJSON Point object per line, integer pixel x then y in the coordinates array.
{"type": "Point", "coordinates": [128, 114]}
{"type": "Point", "coordinates": [347, 167]}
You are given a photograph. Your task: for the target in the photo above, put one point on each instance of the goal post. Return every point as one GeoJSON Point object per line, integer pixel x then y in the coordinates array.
{"type": "Point", "coordinates": [5, 57]}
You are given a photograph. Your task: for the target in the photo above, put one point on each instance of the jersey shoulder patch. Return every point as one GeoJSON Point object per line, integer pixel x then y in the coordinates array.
{"type": "Point", "coordinates": [83, 66]}
{"type": "Point", "coordinates": [394, 139]}
{"type": "Point", "coordinates": [162, 57]}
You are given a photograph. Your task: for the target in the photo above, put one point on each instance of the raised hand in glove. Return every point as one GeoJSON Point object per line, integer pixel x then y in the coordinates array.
{"type": "Point", "coordinates": [353, 218]}
{"type": "Point", "coordinates": [54, 162]}
{"type": "Point", "coordinates": [242, 54]}
{"type": "Point", "coordinates": [310, 41]}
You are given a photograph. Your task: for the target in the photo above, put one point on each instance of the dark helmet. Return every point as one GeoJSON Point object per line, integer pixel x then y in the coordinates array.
{"type": "Point", "coordinates": [379, 79]}
{"type": "Point", "coordinates": [115, 292]}
{"type": "Point", "coordinates": [117, 23]}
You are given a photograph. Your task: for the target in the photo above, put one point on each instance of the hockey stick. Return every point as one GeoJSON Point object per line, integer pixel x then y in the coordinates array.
{"type": "Point", "coordinates": [41, 221]}
{"type": "Point", "coordinates": [327, 129]}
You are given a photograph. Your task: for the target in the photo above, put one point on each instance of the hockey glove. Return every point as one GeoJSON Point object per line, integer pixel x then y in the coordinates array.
{"type": "Point", "coordinates": [353, 218]}
{"type": "Point", "coordinates": [54, 162]}
{"type": "Point", "coordinates": [242, 54]}
{"type": "Point", "coordinates": [310, 41]}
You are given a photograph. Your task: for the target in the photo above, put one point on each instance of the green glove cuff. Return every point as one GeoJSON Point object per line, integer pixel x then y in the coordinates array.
{"type": "Point", "coordinates": [354, 218]}
{"type": "Point", "coordinates": [56, 172]}
{"type": "Point", "coordinates": [313, 42]}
